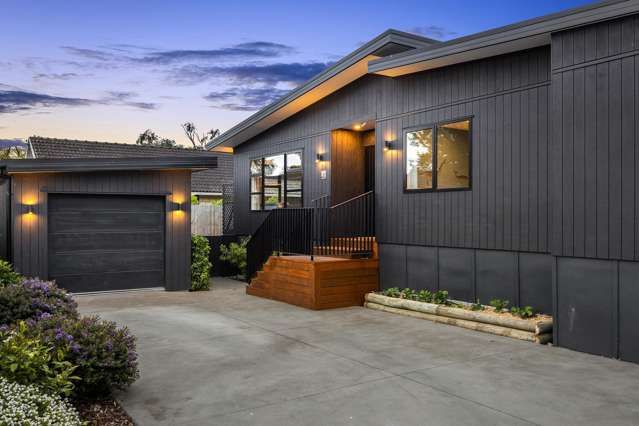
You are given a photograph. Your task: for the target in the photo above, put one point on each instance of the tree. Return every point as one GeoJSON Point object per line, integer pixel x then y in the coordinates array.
{"type": "Point", "coordinates": [148, 137]}
{"type": "Point", "coordinates": [199, 142]}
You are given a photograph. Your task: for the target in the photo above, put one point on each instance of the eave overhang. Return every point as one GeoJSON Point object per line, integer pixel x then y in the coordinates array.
{"type": "Point", "coordinates": [511, 38]}
{"type": "Point", "coordinates": [345, 71]}
{"type": "Point", "coordinates": [106, 164]}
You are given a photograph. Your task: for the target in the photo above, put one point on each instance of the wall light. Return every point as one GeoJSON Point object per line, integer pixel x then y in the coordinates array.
{"type": "Point", "coordinates": [320, 157]}
{"type": "Point", "coordinates": [177, 207]}
{"type": "Point", "coordinates": [28, 209]}
{"type": "Point", "coordinates": [388, 145]}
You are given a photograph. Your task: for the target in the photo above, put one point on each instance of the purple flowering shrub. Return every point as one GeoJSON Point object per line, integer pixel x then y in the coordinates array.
{"type": "Point", "coordinates": [33, 299]}
{"type": "Point", "coordinates": [104, 354]}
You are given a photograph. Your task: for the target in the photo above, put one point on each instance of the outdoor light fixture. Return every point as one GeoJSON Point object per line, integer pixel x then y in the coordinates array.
{"type": "Point", "coordinates": [320, 158]}
{"type": "Point", "coordinates": [28, 209]}
{"type": "Point", "coordinates": [388, 145]}
{"type": "Point", "coordinates": [177, 207]}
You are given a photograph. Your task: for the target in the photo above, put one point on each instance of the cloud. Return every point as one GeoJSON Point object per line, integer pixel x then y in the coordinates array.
{"type": "Point", "coordinates": [245, 99]}
{"type": "Point", "coordinates": [18, 100]}
{"type": "Point", "coordinates": [434, 31]}
{"type": "Point", "coordinates": [252, 50]}
{"type": "Point", "coordinates": [60, 76]}
{"type": "Point", "coordinates": [290, 73]}
{"type": "Point", "coordinates": [94, 54]}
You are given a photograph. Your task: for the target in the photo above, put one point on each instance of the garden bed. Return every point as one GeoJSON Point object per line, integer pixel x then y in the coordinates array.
{"type": "Point", "coordinates": [102, 412]}
{"type": "Point", "coordinates": [537, 329]}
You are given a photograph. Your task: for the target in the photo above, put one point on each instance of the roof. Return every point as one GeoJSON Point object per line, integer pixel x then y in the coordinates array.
{"type": "Point", "coordinates": [519, 36]}
{"type": "Point", "coordinates": [205, 181]}
{"type": "Point", "coordinates": [32, 165]}
{"type": "Point", "coordinates": [423, 54]}
{"type": "Point", "coordinates": [340, 74]}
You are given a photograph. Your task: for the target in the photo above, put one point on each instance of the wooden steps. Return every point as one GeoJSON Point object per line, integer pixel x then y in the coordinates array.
{"type": "Point", "coordinates": [324, 283]}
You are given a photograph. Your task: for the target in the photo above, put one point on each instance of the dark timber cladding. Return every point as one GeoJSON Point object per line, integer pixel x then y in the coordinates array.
{"type": "Point", "coordinates": [147, 198]}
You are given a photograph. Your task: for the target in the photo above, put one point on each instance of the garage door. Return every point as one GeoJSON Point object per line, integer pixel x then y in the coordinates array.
{"type": "Point", "coordinates": [106, 242]}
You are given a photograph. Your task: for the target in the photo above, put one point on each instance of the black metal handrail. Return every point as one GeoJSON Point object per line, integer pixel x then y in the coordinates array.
{"type": "Point", "coordinates": [346, 229]}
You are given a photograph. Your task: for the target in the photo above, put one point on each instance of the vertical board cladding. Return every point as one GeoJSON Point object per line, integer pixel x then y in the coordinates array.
{"type": "Point", "coordinates": [524, 279]}
{"type": "Point", "coordinates": [29, 247]}
{"type": "Point", "coordinates": [595, 84]}
{"type": "Point", "coordinates": [508, 98]}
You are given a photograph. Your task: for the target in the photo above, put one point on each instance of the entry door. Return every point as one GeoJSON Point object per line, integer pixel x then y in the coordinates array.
{"type": "Point", "coordinates": [106, 242]}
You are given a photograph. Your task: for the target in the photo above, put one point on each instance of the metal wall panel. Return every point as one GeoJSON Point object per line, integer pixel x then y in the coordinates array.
{"type": "Point", "coordinates": [587, 305]}
{"type": "Point", "coordinates": [457, 273]}
{"type": "Point", "coordinates": [421, 268]}
{"type": "Point", "coordinates": [628, 312]}
{"type": "Point", "coordinates": [497, 276]}
{"type": "Point", "coordinates": [535, 281]}
{"type": "Point", "coordinates": [392, 266]}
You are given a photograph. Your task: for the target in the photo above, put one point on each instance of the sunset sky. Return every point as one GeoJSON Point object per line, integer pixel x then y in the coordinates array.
{"type": "Point", "coordinates": [109, 70]}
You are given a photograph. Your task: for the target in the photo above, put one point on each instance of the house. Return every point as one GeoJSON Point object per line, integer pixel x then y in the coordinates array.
{"type": "Point", "coordinates": [206, 185]}
{"type": "Point", "coordinates": [503, 165]}
{"type": "Point", "coordinates": [100, 224]}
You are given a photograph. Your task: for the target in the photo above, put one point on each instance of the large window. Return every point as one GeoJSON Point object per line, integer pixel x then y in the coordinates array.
{"type": "Point", "coordinates": [438, 156]}
{"type": "Point", "coordinates": [276, 181]}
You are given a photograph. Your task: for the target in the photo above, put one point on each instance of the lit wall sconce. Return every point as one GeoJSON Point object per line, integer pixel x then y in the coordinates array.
{"type": "Point", "coordinates": [320, 157]}
{"type": "Point", "coordinates": [177, 207]}
{"type": "Point", "coordinates": [388, 145]}
{"type": "Point", "coordinates": [28, 209]}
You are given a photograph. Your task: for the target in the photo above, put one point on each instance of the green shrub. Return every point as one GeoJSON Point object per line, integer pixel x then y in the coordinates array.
{"type": "Point", "coordinates": [7, 275]}
{"type": "Point", "coordinates": [409, 294]}
{"type": "Point", "coordinates": [391, 292]}
{"type": "Point", "coordinates": [424, 296]}
{"type": "Point", "coordinates": [499, 304]}
{"type": "Point", "coordinates": [525, 312]}
{"type": "Point", "coordinates": [28, 405]}
{"type": "Point", "coordinates": [194, 200]}
{"type": "Point", "coordinates": [32, 299]}
{"type": "Point", "coordinates": [235, 254]}
{"type": "Point", "coordinates": [105, 355]}
{"type": "Point", "coordinates": [440, 297]}
{"type": "Point", "coordinates": [26, 359]}
{"type": "Point", "coordinates": [200, 264]}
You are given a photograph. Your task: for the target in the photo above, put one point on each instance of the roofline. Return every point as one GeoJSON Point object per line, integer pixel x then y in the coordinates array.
{"type": "Point", "coordinates": [106, 164]}
{"type": "Point", "coordinates": [536, 30]}
{"type": "Point", "coordinates": [388, 36]}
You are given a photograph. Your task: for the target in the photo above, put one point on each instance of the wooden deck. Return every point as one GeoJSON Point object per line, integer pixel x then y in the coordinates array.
{"type": "Point", "coordinates": [324, 283]}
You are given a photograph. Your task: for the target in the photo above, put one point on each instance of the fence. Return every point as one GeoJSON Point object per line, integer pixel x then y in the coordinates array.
{"type": "Point", "coordinates": [206, 219]}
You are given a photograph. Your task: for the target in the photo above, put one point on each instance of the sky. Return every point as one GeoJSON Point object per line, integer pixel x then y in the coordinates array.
{"type": "Point", "coordinates": [107, 71]}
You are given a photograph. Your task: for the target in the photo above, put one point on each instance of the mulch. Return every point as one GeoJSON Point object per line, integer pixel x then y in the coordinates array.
{"type": "Point", "coordinates": [105, 412]}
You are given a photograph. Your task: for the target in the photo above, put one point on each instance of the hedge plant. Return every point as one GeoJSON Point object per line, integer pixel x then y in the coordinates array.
{"type": "Point", "coordinates": [26, 359]}
{"type": "Point", "coordinates": [235, 254]}
{"type": "Point", "coordinates": [104, 354]}
{"type": "Point", "coordinates": [8, 275]}
{"type": "Point", "coordinates": [33, 299]}
{"type": "Point", "coordinates": [200, 264]}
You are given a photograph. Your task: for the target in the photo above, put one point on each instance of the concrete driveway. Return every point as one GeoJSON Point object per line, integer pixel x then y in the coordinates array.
{"type": "Point", "coordinates": [225, 358]}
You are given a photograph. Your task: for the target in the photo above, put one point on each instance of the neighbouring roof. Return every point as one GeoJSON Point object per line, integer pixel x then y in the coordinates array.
{"type": "Point", "coordinates": [204, 181]}
{"type": "Point", "coordinates": [340, 74]}
{"type": "Point", "coordinates": [422, 54]}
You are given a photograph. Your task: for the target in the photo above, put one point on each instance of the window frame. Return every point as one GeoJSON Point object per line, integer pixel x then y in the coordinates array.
{"type": "Point", "coordinates": [434, 126]}
{"type": "Point", "coordinates": [283, 188]}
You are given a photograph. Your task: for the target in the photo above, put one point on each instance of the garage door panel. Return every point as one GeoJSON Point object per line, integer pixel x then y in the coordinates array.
{"type": "Point", "coordinates": [113, 281]}
{"type": "Point", "coordinates": [71, 221]}
{"type": "Point", "coordinates": [106, 242]}
{"type": "Point", "coordinates": [66, 202]}
{"type": "Point", "coordinates": [75, 241]}
{"type": "Point", "coordinates": [105, 261]}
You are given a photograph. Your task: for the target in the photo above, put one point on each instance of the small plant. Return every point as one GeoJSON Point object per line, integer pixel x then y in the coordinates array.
{"type": "Point", "coordinates": [200, 264]}
{"type": "Point", "coordinates": [525, 312]}
{"type": "Point", "coordinates": [32, 299]}
{"type": "Point", "coordinates": [477, 306]}
{"type": "Point", "coordinates": [7, 275]}
{"type": "Point", "coordinates": [29, 405]}
{"type": "Point", "coordinates": [392, 292]}
{"type": "Point", "coordinates": [408, 293]}
{"type": "Point", "coordinates": [26, 359]}
{"type": "Point", "coordinates": [440, 297]}
{"type": "Point", "coordinates": [105, 355]}
{"type": "Point", "coordinates": [235, 254]}
{"type": "Point", "coordinates": [194, 200]}
{"type": "Point", "coordinates": [499, 304]}
{"type": "Point", "coordinates": [424, 296]}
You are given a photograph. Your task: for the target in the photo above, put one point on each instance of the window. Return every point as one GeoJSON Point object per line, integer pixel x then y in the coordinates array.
{"type": "Point", "coordinates": [438, 157]}
{"type": "Point", "coordinates": [276, 181]}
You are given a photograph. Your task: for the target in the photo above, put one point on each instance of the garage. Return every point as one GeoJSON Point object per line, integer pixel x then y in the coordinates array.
{"type": "Point", "coordinates": [106, 242]}
{"type": "Point", "coordinates": [100, 224]}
